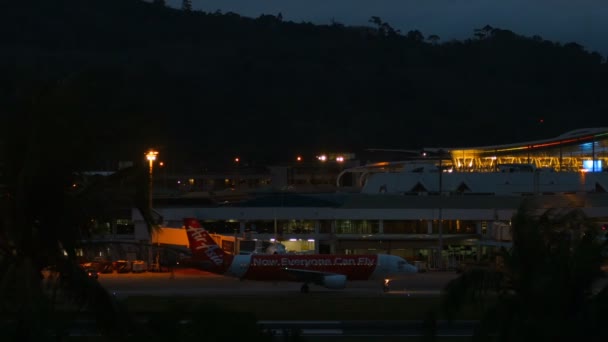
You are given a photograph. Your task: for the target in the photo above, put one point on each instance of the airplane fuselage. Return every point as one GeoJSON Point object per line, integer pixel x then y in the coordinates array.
{"type": "Point", "coordinates": [354, 267]}
{"type": "Point", "coordinates": [330, 271]}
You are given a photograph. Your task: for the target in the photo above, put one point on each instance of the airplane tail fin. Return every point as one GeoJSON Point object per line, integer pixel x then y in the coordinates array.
{"type": "Point", "coordinates": [205, 251]}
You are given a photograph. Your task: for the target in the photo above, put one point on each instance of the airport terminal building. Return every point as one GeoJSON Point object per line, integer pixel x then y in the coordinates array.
{"type": "Point", "coordinates": [455, 200]}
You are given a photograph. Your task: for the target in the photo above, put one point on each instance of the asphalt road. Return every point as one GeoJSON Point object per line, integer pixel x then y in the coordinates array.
{"type": "Point", "coordinates": [201, 284]}
{"type": "Point", "coordinates": [192, 282]}
{"type": "Point", "coordinates": [373, 330]}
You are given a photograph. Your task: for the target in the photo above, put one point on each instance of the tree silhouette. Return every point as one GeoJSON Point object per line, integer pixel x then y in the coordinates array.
{"type": "Point", "coordinates": [376, 21]}
{"type": "Point", "coordinates": [548, 285]}
{"type": "Point", "coordinates": [46, 215]}
{"type": "Point", "coordinates": [433, 38]}
{"type": "Point", "coordinates": [484, 32]}
{"type": "Point", "coordinates": [185, 61]}
{"type": "Point", "coordinates": [383, 28]}
{"type": "Point", "coordinates": [187, 5]}
{"type": "Point", "coordinates": [336, 23]}
{"type": "Point", "coordinates": [415, 36]}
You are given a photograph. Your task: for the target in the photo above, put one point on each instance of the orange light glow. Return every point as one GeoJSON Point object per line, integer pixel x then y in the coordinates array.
{"type": "Point", "coordinates": [151, 155]}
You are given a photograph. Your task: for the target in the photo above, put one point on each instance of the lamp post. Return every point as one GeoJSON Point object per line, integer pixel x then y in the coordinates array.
{"type": "Point", "coordinates": [151, 156]}
{"type": "Point", "coordinates": [237, 162]}
{"type": "Point", "coordinates": [439, 155]}
{"type": "Point", "coordinates": [440, 214]}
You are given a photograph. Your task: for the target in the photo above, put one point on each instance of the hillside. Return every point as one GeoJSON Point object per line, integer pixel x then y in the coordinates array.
{"type": "Point", "coordinates": [207, 86]}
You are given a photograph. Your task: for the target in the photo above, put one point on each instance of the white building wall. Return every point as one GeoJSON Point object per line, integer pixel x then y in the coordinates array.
{"type": "Point", "coordinates": [491, 182]}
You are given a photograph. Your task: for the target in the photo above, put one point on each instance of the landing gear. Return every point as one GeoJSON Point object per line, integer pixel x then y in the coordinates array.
{"type": "Point", "coordinates": [385, 285]}
{"type": "Point", "coordinates": [304, 288]}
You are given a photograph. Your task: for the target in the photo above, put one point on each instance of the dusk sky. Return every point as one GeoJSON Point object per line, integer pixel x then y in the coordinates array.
{"type": "Point", "coordinates": [581, 21]}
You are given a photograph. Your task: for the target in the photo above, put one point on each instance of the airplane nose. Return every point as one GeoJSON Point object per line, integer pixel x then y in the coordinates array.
{"type": "Point", "coordinates": [411, 268]}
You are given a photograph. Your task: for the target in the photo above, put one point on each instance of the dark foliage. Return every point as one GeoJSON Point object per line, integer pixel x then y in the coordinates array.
{"type": "Point", "coordinates": [551, 286]}
{"type": "Point", "coordinates": [202, 322]}
{"type": "Point", "coordinates": [46, 210]}
{"type": "Point", "coordinates": [205, 86]}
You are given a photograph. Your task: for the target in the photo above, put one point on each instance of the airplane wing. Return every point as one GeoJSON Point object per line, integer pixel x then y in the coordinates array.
{"type": "Point", "coordinates": [309, 276]}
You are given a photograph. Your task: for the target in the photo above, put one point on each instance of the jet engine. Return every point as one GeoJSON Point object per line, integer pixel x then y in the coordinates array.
{"type": "Point", "coordinates": [334, 281]}
{"type": "Point", "coordinates": [276, 248]}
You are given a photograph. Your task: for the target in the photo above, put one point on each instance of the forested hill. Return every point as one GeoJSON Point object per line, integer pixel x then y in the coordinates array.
{"type": "Point", "coordinates": [131, 74]}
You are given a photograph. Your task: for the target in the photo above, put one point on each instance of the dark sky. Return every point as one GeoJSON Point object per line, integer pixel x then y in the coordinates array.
{"type": "Point", "coordinates": [581, 21]}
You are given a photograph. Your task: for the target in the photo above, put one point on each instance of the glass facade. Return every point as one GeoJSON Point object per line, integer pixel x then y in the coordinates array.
{"type": "Point", "coordinates": [222, 227]}
{"type": "Point", "coordinates": [360, 227]}
{"type": "Point", "coordinates": [455, 227]}
{"type": "Point", "coordinates": [325, 226]}
{"type": "Point", "coordinates": [260, 226]}
{"type": "Point", "coordinates": [101, 228]}
{"type": "Point", "coordinates": [125, 227]}
{"type": "Point", "coordinates": [282, 226]}
{"type": "Point", "coordinates": [299, 227]}
{"type": "Point", "coordinates": [357, 226]}
{"type": "Point", "coordinates": [405, 227]}
{"type": "Point", "coordinates": [581, 150]}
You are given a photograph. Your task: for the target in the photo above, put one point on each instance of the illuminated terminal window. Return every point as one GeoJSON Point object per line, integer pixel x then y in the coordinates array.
{"type": "Point", "coordinates": [581, 150]}
{"type": "Point", "coordinates": [592, 165]}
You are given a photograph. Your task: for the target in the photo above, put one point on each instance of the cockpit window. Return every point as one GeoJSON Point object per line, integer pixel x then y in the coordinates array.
{"type": "Point", "coordinates": [401, 264]}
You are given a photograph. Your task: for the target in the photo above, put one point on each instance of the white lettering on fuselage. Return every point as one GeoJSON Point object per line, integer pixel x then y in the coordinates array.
{"type": "Point", "coordinates": [366, 261]}
{"type": "Point", "coordinates": [199, 235]}
{"type": "Point", "coordinates": [312, 262]}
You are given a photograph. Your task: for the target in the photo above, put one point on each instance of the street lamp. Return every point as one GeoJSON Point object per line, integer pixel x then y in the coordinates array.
{"type": "Point", "coordinates": [442, 153]}
{"type": "Point", "coordinates": [440, 213]}
{"type": "Point", "coordinates": [438, 154]}
{"type": "Point", "coordinates": [237, 181]}
{"type": "Point", "coordinates": [151, 156]}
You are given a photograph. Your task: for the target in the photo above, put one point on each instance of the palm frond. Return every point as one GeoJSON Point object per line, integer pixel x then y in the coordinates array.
{"type": "Point", "coordinates": [545, 289]}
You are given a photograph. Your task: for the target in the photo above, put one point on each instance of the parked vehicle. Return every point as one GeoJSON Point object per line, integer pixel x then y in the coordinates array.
{"type": "Point", "coordinates": [92, 273]}
{"type": "Point", "coordinates": [122, 266]}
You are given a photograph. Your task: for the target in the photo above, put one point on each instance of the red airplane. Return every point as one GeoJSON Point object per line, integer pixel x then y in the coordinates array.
{"type": "Point", "coordinates": [327, 270]}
